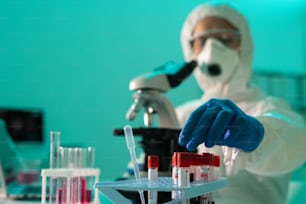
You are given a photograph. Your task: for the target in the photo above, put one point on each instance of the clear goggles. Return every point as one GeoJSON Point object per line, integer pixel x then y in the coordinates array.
{"type": "Point", "coordinates": [228, 37]}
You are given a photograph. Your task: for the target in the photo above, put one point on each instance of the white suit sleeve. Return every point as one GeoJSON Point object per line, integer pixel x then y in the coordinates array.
{"type": "Point", "coordinates": [283, 147]}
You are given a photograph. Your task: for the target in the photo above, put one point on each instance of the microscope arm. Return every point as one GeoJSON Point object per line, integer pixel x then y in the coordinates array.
{"type": "Point", "coordinates": [149, 88]}
{"type": "Point", "coordinates": [154, 103]}
{"type": "Point", "coordinates": [164, 77]}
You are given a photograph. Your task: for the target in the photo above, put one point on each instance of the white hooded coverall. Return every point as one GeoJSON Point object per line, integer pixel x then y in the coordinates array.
{"type": "Point", "coordinates": [260, 176]}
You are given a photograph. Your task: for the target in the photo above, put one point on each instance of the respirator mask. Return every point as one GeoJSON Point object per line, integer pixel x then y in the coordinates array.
{"type": "Point", "coordinates": [217, 61]}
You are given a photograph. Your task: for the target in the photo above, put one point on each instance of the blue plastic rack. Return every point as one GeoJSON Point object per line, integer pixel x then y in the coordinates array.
{"type": "Point", "coordinates": [164, 184]}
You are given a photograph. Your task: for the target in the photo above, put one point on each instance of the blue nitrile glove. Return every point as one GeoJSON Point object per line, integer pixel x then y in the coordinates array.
{"type": "Point", "coordinates": [221, 122]}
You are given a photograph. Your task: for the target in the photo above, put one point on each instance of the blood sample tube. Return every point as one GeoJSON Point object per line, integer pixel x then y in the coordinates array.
{"type": "Point", "coordinates": [207, 166]}
{"type": "Point", "coordinates": [183, 165]}
{"type": "Point", "coordinates": [195, 167]}
{"type": "Point", "coordinates": [206, 161]}
{"type": "Point", "coordinates": [216, 167]}
{"type": "Point", "coordinates": [214, 176]}
{"type": "Point", "coordinates": [174, 174]}
{"type": "Point", "coordinates": [153, 164]}
{"type": "Point", "coordinates": [195, 173]}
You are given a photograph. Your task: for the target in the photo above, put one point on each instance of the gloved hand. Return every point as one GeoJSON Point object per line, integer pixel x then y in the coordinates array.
{"type": "Point", "coordinates": [221, 122]}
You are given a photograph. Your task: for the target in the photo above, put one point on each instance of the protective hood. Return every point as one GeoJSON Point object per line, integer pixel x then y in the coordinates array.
{"type": "Point", "coordinates": [241, 75]}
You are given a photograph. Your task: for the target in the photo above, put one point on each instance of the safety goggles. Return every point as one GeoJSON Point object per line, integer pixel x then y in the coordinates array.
{"type": "Point", "coordinates": [228, 37]}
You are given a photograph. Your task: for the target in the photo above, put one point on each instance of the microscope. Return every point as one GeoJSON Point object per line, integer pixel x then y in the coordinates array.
{"type": "Point", "coordinates": [149, 95]}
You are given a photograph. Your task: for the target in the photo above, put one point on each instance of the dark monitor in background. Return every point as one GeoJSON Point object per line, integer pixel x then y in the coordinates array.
{"type": "Point", "coordinates": [23, 125]}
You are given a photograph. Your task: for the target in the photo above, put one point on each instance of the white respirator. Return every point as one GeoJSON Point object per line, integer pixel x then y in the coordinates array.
{"type": "Point", "coordinates": [217, 61]}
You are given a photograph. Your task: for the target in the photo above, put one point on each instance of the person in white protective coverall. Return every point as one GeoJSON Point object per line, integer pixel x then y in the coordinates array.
{"type": "Point", "coordinates": [260, 140]}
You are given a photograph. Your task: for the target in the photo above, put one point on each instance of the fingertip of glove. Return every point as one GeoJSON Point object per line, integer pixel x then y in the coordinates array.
{"type": "Point", "coordinates": [209, 145]}
{"type": "Point", "coordinates": [181, 141]}
{"type": "Point", "coordinates": [191, 147]}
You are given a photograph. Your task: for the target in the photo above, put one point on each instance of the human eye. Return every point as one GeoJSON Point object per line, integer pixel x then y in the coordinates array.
{"type": "Point", "coordinates": [199, 42]}
{"type": "Point", "coordinates": [227, 41]}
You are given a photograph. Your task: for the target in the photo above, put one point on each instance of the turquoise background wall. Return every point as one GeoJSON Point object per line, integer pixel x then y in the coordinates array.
{"type": "Point", "coordinates": [74, 59]}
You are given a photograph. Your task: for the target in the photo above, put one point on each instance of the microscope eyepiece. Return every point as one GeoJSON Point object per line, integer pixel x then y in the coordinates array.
{"type": "Point", "coordinates": [177, 78]}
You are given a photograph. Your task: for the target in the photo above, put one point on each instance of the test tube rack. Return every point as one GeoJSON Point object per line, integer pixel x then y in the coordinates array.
{"type": "Point", "coordinates": [164, 184]}
{"type": "Point", "coordinates": [68, 174]}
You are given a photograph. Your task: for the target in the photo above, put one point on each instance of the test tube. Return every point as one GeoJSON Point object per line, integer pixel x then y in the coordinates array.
{"type": "Point", "coordinates": [196, 172]}
{"type": "Point", "coordinates": [55, 137]}
{"type": "Point", "coordinates": [183, 165]}
{"type": "Point", "coordinates": [174, 174]}
{"type": "Point", "coordinates": [91, 152]}
{"type": "Point", "coordinates": [215, 164]}
{"type": "Point", "coordinates": [153, 164]}
{"type": "Point", "coordinates": [81, 157]}
{"type": "Point", "coordinates": [216, 167]}
{"type": "Point", "coordinates": [206, 167]}
{"type": "Point", "coordinates": [73, 157]}
{"type": "Point", "coordinates": [66, 157]}
{"type": "Point", "coordinates": [83, 191]}
{"type": "Point", "coordinates": [90, 163]}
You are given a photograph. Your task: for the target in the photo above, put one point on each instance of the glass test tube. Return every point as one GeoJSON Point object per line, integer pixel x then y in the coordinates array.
{"type": "Point", "coordinates": [55, 137]}
{"type": "Point", "coordinates": [89, 181]}
{"type": "Point", "coordinates": [72, 158]}
{"type": "Point", "coordinates": [91, 152]}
